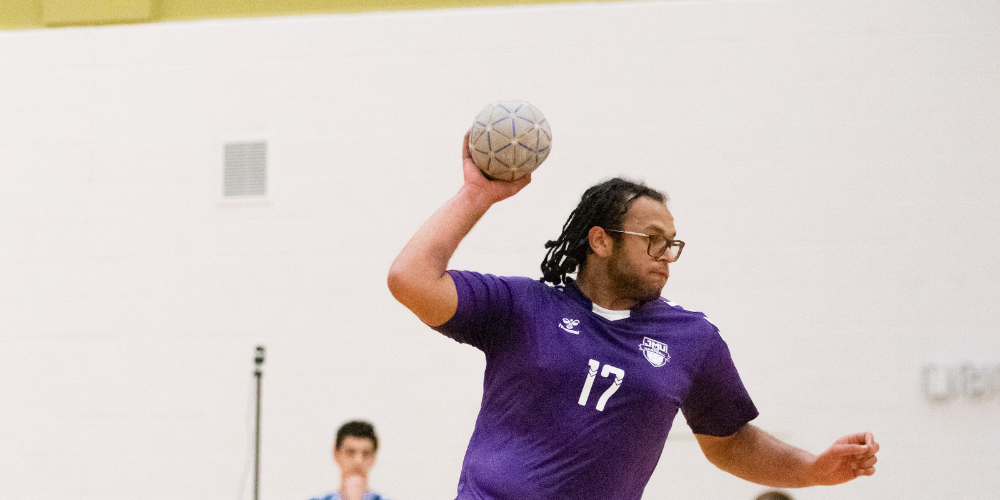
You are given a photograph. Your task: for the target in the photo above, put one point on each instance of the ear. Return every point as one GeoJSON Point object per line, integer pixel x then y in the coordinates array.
{"type": "Point", "coordinates": [600, 242]}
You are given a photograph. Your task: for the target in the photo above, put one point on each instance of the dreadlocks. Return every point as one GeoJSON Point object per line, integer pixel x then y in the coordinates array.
{"type": "Point", "coordinates": [603, 205]}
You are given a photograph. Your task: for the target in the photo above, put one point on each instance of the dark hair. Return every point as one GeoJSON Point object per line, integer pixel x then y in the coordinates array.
{"type": "Point", "coordinates": [356, 428]}
{"type": "Point", "coordinates": [603, 205]}
{"type": "Point", "coordinates": [773, 495]}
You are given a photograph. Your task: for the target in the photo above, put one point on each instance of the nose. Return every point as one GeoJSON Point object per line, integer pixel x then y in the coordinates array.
{"type": "Point", "coordinates": [663, 263]}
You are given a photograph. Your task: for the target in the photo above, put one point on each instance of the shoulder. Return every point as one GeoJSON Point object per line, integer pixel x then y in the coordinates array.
{"type": "Point", "coordinates": [664, 309]}
{"type": "Point", "coordinates": [328, 496]}
{"type": "Point", "coordinates": [470, 282]}
{"type": "Point", "coordinates": [486, 277]}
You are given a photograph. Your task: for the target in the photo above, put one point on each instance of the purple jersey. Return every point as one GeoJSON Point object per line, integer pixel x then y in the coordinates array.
{"type": "Point", "coordinates": [578, 406]}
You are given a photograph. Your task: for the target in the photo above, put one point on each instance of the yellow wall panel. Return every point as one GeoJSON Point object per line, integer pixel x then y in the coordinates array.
{"type": "Point", "coordinates": [20, 14]}
{"type": "Point", "coordinates": [198, 9]}
{"type": "Point", "coordinates": [76, 12]}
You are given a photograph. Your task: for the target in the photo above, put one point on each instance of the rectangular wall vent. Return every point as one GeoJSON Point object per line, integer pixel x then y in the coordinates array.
{"type": "Point", "coordinates": [245, 169]}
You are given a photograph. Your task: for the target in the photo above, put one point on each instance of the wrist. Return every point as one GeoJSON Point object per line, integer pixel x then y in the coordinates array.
{"type": "Point", "coordinates": [812, 473]}
{"type": "Point", "coordinates": [478, 199]}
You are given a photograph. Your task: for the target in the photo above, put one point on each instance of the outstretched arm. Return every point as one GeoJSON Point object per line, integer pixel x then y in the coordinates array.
{"type": "Point", "coordinates": [417, 278]}
{"type": "Point", "coordinates": [759, 457]}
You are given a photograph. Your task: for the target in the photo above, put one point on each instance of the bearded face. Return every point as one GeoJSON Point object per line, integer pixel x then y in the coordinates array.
{"type": "Point", "coordinates": [628, 278]}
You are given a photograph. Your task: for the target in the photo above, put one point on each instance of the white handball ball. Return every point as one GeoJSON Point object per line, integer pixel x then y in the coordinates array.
{"type": "Point", "coordinates": [509, 139]}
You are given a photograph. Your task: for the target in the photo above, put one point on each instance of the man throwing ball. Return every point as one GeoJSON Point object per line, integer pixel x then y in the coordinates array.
{"type": "Point", "coordinates": [584, 377]}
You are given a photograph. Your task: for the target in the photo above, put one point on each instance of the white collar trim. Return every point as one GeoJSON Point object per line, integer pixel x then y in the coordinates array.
{"type": "Point", "coordinates": [611, 314]}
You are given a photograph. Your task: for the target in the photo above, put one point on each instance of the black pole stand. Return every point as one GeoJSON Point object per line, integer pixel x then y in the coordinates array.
{"type": "Point", "coordinates": [258, 361]}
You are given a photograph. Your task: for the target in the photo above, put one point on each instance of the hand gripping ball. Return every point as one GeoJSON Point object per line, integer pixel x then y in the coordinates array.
{"type": "Point", "coordinates": [509, 139]}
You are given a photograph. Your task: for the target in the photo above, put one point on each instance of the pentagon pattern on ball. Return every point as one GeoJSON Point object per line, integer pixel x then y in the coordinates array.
{"type": "Point", "coordinates": [509, 139]}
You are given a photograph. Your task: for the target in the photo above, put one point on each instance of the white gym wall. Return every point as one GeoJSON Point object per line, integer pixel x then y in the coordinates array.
{"type": "Point", "coordinates": [832, 167]}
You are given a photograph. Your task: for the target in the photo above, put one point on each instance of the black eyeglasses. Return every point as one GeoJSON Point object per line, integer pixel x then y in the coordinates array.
{"type": "Point", "coordinates": [658, 245]}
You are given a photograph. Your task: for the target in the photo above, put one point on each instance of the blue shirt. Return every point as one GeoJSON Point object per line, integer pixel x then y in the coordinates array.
{"type": "Point", "coordinates": [579, 406]}
{"type": "Point", "coordinates": [371, 495]}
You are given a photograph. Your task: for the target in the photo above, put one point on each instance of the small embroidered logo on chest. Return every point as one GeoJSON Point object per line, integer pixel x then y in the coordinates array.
{"type": "Point", "coordinates": [569, 325]}
{"type": "Point", "coordinates": [655, 352]}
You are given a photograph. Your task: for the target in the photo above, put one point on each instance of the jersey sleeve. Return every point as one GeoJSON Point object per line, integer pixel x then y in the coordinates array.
{"type": "Point", "coordinates": [718, 403]}
{"type": "Point", "coordinates": [484, 313]}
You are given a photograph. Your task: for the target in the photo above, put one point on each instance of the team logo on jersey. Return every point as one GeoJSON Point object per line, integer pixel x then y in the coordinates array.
{"type": "Point", "coordinates": [655, 352]}
{"type": "Point", "coordinates": [569, 325]}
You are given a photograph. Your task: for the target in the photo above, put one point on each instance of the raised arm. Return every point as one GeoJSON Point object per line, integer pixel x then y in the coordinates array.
{"type": "Point", "coordinates": [417, 278]}
{"type": "Point", "coordinates": [756, 456]}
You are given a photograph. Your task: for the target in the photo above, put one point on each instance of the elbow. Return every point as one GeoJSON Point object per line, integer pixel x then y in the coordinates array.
{"type": "Point", "coordinates": [406, 284]}
{"type": "Point", "coordinates": [396, 281]}
{"type": "Point", "coordinates": [720, 460]}
{"type": "Point", "coordinates": [433, 301]}
{"type": "Point", "coordinates": [722, 452]}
